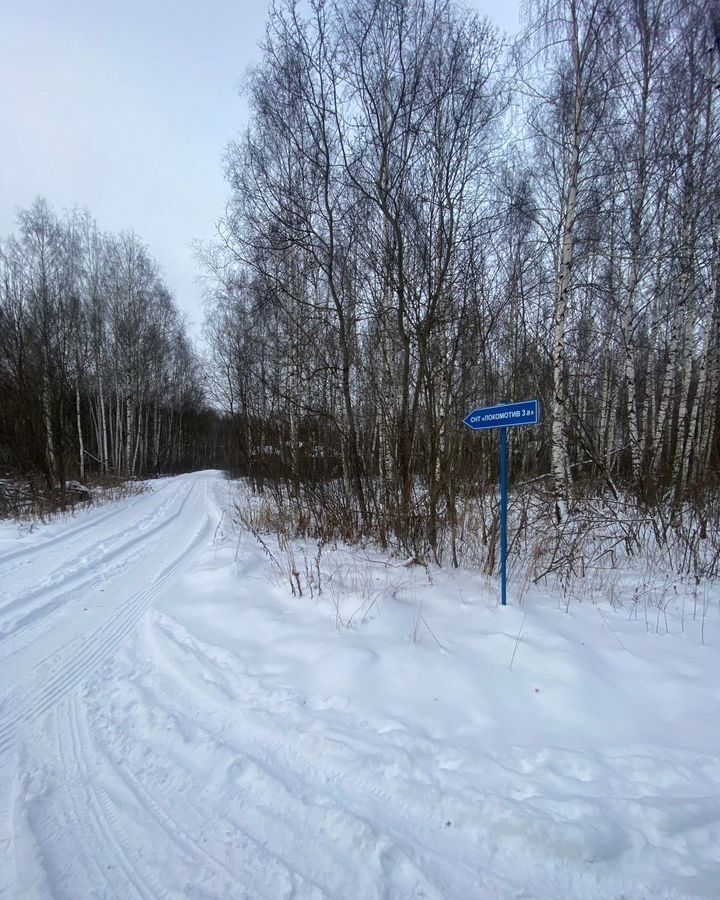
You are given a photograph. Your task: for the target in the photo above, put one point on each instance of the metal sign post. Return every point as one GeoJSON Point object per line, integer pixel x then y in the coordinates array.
{"type": "Point", "coordinates": [503, 515]}
{"type": "Point", "coordinates": [504, 416]}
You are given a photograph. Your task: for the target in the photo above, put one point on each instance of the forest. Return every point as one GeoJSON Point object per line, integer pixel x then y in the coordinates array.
{"type": "Point", "coordinates": [423, 217]}
{"type": "Point", "coordinates": [97, 374]}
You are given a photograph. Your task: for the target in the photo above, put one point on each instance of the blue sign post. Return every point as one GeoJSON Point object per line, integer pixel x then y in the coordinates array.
{"type": "Point", "coordinates": [504, 416]}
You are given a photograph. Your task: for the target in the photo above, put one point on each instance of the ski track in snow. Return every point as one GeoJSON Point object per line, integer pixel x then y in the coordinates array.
{"type": "Point", "coordinates": [140, 758]}
{"type": "Point", "coordinates": [43, 692]}
{"type": "Point", "coordinates": [111, 561]}
{"type": "Point", "coordinates": [24, 556]}
{"type": "Point", "coordinates": [90, 568]}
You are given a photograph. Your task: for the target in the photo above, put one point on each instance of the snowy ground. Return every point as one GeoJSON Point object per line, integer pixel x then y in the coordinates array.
{"type": "Point", "coordinates": [174, 723]}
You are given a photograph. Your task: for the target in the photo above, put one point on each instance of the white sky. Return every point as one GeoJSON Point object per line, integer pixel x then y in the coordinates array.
{"type": "Point", "coordinates": [125, 107]}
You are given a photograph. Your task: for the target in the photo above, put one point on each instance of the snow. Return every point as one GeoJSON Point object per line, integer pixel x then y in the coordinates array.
{"type": "Point", "coordinates": [175, 723]}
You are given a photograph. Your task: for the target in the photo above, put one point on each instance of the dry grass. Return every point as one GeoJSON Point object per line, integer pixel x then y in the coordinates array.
{"type": "Point", "coordinates": [31, 500]}
{"type": "Point", "coordinates": [652, 562]}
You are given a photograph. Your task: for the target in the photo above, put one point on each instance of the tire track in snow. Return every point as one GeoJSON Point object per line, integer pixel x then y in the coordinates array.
{"type": "Point", "coordinates": [263, 835]}
{"type": "Point", "coordinates": [9, 781]}
{"type": "Point", "coordinates": [286, 787]}
{"type": "Point", "coordinates": [172, 828]}
{"type": "Point", "coordinates": [74, 820]}
{"type": "Point", "coordinates": [179, 833]}
{"type": "Point", "coordinates": [334, 766]}
{"type": "Point", "coordinates": [95, 800]}
{"type": "Point", "coordinates": [41, 695]}
{"type": "Point", "coordinates": [94, 765]}
{"type": "Point", "coordinates": [264, 870]}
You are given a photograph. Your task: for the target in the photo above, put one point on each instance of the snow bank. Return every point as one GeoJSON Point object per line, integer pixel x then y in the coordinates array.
{"type": "Point", "coordinates": [392, 732]}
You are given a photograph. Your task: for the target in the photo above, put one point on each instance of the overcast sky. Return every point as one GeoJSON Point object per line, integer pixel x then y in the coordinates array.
{"type": "Point", "coordinates": [125, 107]}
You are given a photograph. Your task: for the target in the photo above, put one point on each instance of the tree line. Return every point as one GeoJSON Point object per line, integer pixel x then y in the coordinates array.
{"type": "Point", "coordinates": [424, 218]}
{"type": "Point", "coordinates": [97, 374]}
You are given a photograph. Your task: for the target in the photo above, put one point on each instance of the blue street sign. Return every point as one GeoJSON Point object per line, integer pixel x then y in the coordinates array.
{"type": "Point", "coordinates": [526, 412]}
{"type": "Point", "coordinates": [504, 416]}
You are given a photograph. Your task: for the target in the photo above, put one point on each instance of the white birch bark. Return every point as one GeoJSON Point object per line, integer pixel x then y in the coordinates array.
{"type": "Point", "coordinates": [709, 383]}
{"type": "Point", "coordinates": [684, 430]}
{"type": "Point", "coordinates": [560, 455]}
{"type": "Point", "coordinates": [138, 438]}
{"type": "Point", "coordinates": [103, 426]}
{"type": "Point", "coordinates": [81, 442]}
{"type": "Point", "coordinates": [156, 437]}
{"type": "Point", "coordinates": [699, 415]}
{"type": "Point", "coordinates": [47, 422]}
{"type": "Point", "coordinates": [677, 336]}
{"type": "Point", "coordinates": [118, 433]}
{"type": "Point", "coordinates": [129, 420]}
{"type": "Point", "coordinates": [631, 391]}
{"type": "Point", "coordinates": [650, 402]}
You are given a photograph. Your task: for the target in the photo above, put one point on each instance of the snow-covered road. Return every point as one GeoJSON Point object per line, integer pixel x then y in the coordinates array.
{"type": "Point", "coordinates": [173, 723]}
{"type": "Point", "coordinates": [70, 595]}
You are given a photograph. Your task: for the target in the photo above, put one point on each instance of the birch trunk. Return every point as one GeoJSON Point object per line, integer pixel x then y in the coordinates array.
{"type": "Point", "coordinates": [560, 455]}
{"type": "Point", "coordinates": [650, 402]}
{"type": "Point", "coordinates": [47, 422]}
{"type": "Point", "coordinates": [631, 392]}
{"type": "Point", "coordinates": [699, 422]}
{"type": "Point", "coordinates": [710, 373]}
{"type": "Point", "coordinates": [607, 418]}
{"type": "Point", "coordinates": [103, 443]}
{"type": "Point", "coordinates": [129, 417]}
{"type": "Point", "coordinates": [684, 425]}
{"type": "Point", "coordinates": [138, 437]}
{"type": "Point", "coordinates": [156, 437]}
{"type": "Point", "coordinates": [118, 434]}
{"type": "Point", "coordinates": [678, 334]}
{"type": "Point", "coordinates": [81, 442]}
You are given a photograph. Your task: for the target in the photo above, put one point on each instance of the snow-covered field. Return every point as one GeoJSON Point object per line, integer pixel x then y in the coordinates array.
{"type": "Point", "coordinates": [174, 723]}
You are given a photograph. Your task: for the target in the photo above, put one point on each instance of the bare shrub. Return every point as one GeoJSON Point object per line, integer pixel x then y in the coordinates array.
{"type": "Point", "coordinates": [30, 499]}
{"type": "Point", "coordinates": [610, 547]}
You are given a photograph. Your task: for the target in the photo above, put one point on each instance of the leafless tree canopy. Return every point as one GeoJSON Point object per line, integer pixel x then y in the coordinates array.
{"type": "Point", "coordinates": [97, 375]}
{"type": "Point", "coordinates": [423, 219]}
